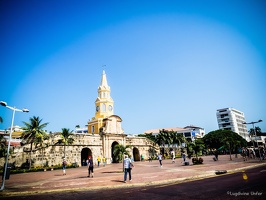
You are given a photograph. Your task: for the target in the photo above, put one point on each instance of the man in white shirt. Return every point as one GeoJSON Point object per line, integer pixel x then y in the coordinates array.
{"type": "Point", "coordinates": [127, 168]}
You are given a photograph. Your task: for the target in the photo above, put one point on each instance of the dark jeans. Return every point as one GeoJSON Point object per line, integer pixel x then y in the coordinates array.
{"type": "Point", "coordinates": [160, 161]}
{"type": "Point", "coordinates": [90, 170]}
{"type": "Point", "coordinates": [127, 170]}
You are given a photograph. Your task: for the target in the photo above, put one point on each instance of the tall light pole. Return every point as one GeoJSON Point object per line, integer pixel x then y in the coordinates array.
{"type": "Point", "coordinates": [255, 132]}
{"type": "Point", "coordinates": [2, 103]}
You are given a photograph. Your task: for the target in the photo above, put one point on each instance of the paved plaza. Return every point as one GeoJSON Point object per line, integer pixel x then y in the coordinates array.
{"type": "Point", "coordinates": [111, 176]}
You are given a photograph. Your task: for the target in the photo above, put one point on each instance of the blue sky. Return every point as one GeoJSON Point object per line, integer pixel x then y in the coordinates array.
{"type": "Point", "coordinates": [169, 63]}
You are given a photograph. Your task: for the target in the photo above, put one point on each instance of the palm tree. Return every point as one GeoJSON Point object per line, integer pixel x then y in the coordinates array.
{"type": "Point", "coordinates": [2, 146]}
{"type": "Point", "coordinates": [32, 132]}
{"type": "Point", "coordinates": [41, 143]}
{"type": "Point", "coordinates": [120, 150]}
{"type": "Point", "coordinates": [197, 146]}
{"type": "Point", "coordinates": [229, 143]}
{"type": "Point", "coordinates": [67, 139]}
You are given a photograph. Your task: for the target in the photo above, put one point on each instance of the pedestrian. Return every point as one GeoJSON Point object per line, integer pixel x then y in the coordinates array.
{"type": "Point", "coordinates": [99, 161]}
{"type": "Point", "coordinates": [104, 161]}
{"type": "Point", "coordinates": [127, 168]}
{"type": "Point", "coordinates": [64, 164]}
{"type": "Point", "coordinates": [160, 160]}
{"type": "Point", "coordinates": [90, 167]}
{"type": "Point", "coordinates": [184, 157]}
{"type": "Point", "coordinates": [216, 153]}
{"type": "Point", "coordinates": [244, 154]}
{"type": "Point", "coordinates": [173, 156]}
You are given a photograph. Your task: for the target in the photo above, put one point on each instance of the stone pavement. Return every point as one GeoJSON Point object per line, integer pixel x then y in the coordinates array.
{"type": "Point", "coordinates": [111, 176]}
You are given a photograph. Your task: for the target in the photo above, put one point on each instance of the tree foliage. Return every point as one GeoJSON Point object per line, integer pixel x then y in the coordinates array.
{"type": "Point", "coordinates": [169, 137]}
{"type": "Point", "coordinates": [33, 133]}
{"type": "Point", "coordinates": [218, 138]}
{"type": "Point", "coordinates": [195, 147]}
{"type": "Point", "coordinates": [3, 146]}
{"type": "Point", "coordinates": [66, 138]}
{"type": "Point", "coordinates": [120, 150]}
{"type": "Point", "coordinates": [150, 136]}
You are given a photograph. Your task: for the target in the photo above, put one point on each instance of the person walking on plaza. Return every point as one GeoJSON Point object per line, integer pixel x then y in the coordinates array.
{"type": "Point", "coordinates": [184, 157]}
{"type": "Point", "coordinates": [127, 168]}
{"type": "Point", "coordinates": [90, 167]}
{"type": "Point", "coordinates": [99, 161]}
{"type": "Point", "coordinates": [64, 164]}
{"type": "Point", "coordinates": [173, 156]}
{"type": "Point", "coordinates": [160, 159]}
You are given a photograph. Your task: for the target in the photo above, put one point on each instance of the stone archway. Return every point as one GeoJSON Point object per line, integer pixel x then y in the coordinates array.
{"type": "Point", "coordinates": [136, 155]}
{"type": "Point", "coordinates": [114, 160]}
{"type": "Point", "coordinates": [85, 153]}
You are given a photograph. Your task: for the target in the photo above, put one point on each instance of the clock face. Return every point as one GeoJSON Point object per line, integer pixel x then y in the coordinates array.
{"type": "Point", "coordinates": [110, 108]}
{"type": "Point", "coordinates": [97, 108]}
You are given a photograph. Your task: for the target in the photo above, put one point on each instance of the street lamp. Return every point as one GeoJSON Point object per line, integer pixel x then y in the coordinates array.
{"type": "Point", "coordinates": [255, 132]}
{"type": "Point", "coordinates": [2, 103]}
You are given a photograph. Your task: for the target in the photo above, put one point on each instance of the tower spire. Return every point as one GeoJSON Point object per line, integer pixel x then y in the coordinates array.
{"type": "Point", "coordinates": [104, 80]}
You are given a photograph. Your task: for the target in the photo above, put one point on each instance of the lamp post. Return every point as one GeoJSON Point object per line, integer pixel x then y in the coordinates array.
{"type": "Point", "coordinates": [2, 103]}
{"type": "Point", "coordinates": [255, 132]}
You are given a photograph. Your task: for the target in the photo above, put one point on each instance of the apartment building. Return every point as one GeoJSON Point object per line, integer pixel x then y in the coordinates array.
{"type": "Point", "coordinates": [232, 119]}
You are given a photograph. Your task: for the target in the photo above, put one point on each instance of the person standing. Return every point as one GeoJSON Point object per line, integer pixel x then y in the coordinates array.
{"type": "Point", "coordinates": [184, 157]}
{"type": "Point", "coordinates": [90, 167]}
{"type": "Point", "coordinates": [127, 168]}
{"type": "Point", "coordinates": [216, 153]}
{"type": "Point", "coordinates": [104, 161]}
{"type": "Point", "coordinates": [160, 159]}
{"type": "Point", "coordinates": [173, 156]}
{"type": "Point", "coordinates": [99, 161]}
{"type": "Point", "coordinates": [64, 164]}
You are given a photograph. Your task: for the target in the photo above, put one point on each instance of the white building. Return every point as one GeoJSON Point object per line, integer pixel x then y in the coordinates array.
{"type": "Point", "coordinates": [189, 132]}
{"type": "Point", "coordinates": [232, 119]}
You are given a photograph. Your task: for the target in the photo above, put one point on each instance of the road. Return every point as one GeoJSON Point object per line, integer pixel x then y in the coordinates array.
{"type": "Point", "coordinates": [249, 184]}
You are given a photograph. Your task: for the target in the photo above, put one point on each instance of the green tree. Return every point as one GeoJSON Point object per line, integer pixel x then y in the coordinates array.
{"type": "Point", "coordinates": [2, 142]}
{"type": "Point", "coordinates": [41, 144]}
{"type": "Point", "coordinates": [228, 142]}
{"type": "Point", "coordinates": [32, 132]}
{"type": "Point", "coordinates": [225, 139]}
{"type": "Point", "coordinates": [120, 151]}
{"type": "Point", "coordinates": [150, 136]}
{"type": "Point", "coordinates": [2, 146]}
{"type": "Point", "coordinates": [197, 147]}
{"type": "Point", "coordinates": [255, 132]}
{"type": "Point", "coordinates": [67, 139]}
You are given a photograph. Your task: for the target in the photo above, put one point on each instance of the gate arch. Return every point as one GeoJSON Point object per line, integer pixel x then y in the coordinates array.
{"type": "Point", "coordinates": [136, 155]}
{"type": "Point", "coordinates": [85, 153]}
{"type": "Point", "coordinates": [114, 160]}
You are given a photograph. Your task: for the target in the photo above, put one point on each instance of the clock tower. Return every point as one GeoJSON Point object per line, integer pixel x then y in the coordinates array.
{"type": "Point", "coordinates": [104, 106]}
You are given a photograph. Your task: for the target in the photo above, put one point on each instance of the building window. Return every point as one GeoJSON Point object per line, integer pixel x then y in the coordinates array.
{"type": "Point", "coordinates": [92, 129]}
{"type": "Point", "coordinates": [104, 107]}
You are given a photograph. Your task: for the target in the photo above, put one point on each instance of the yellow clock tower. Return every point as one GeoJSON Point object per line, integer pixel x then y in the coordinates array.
{"type": "Point", "coordinates": [104, 106]}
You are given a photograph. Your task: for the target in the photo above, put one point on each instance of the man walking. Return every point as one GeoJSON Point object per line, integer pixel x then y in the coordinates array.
{"type": "Point", "coordinates": [127, 168]}
{"type": "Point", "coordinates": [160, 160]}
{"type": "Point", "coordinates": [90, 167]}
{"type": "Point", "coordinates": [64, 164]}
